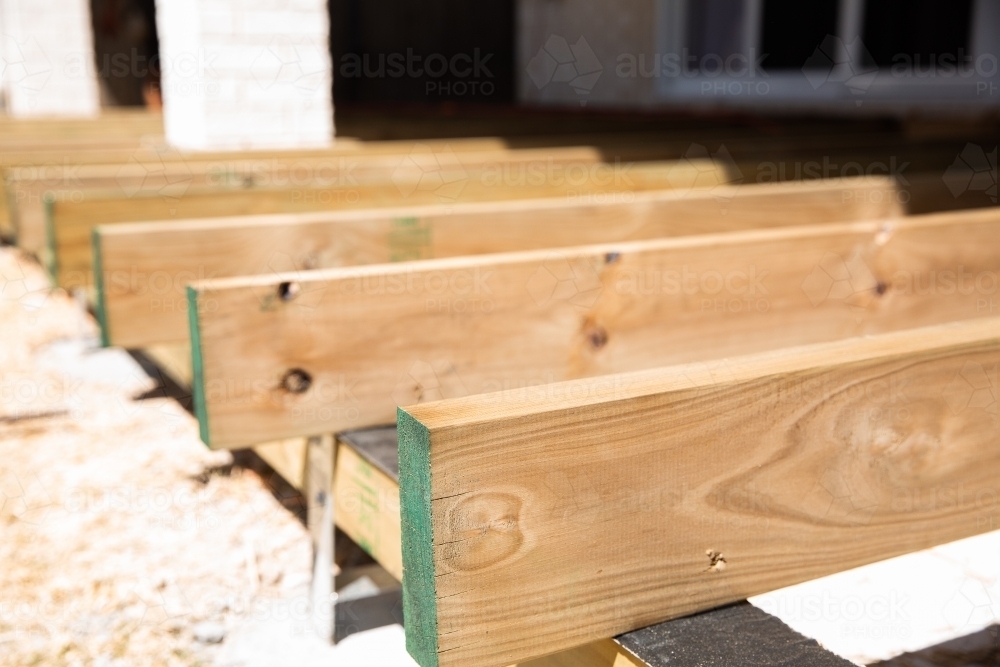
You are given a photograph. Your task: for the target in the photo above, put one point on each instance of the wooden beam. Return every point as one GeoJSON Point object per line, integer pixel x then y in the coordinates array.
{"type": "Point", "coordinates": [627, 500]}
{"type": "Point", "coordinates": [158, 171]}
{"type": "Point", "coordinates": [132, 256]}
{"type": "Point", "coordinates": [294, 354]}
{"type": "Point", "coordinates": [109, 125]}
{"type": "Point", "coordinates": [69, 224]}
{"type": "Point", "coordinates": [66, 168]}
{"type": "Point", "coordinates": [320, 518]}
{"type": "Point", "coordinates": [366, 495]}
{"type": "Point", "coordinates": [367, 507]}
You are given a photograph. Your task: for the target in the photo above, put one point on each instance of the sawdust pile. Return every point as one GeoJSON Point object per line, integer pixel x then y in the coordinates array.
{"type": "Point", "coordinates": [123, 540]}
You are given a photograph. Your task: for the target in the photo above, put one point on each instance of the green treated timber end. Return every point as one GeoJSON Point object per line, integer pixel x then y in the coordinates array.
{"type": "Point", "coordinates": [51, 259]}
{"type": "Point", "coordinates": [419, 589]}
{"type": "Point", "coordinates": [100, 307]}
{"type": "Point", "coordinates": [13, 229]}
{"type": "Point", "coordinates": [197, 367]}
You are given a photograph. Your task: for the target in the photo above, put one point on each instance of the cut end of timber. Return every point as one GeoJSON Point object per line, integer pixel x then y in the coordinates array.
{"type": "Point", "coordinates": [100, 307]}
{"type": "Point", "coordinates": [197, 368]}
{"type": "Point", "coordinates": [51, 260]}
{"type": "Point", "coordinates": [419, 590]}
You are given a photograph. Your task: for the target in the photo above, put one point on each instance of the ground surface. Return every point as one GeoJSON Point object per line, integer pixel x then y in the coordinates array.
{"type": "Point", "coordinates": [123, 540]}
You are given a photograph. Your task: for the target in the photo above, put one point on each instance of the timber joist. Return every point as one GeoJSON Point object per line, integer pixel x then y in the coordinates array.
{"type": "Point", "coordinates": [289, 354]}
{"type": "Point", "coordinates": [132, 257]}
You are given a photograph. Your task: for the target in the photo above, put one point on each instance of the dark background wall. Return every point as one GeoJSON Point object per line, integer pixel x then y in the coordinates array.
{"type": "Point", "coordinates": [368, 36]}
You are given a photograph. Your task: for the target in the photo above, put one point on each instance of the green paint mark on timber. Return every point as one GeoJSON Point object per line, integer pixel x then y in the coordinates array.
{"type": "Point", "coordinates": [100, 306]}
{"type": "Point", "coordinates": [409, 239]}
{"type": "Point", "coordinates": [51, 260]}
{"type": "Point", "coordinates": [419, 589]}
{"type": "Point", "coordinates": [197, 367]}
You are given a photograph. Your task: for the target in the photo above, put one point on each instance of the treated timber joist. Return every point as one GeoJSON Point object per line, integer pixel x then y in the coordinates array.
{"type": "Point", "coordinates": [132, 257]}
{"type": "Point", "coordinates": [68, 168]}
{"type": "Point", "coordinates": [129, 165]}
{"type": "Point", "coordinates": [171, 174]}
{"type": "Point", "coordinates": [626, 500]}
{"type": "Point", "coordinates": [111, 124]}
{"type": "Point", "coordinates": [366, 496]}
{"type": "Point", "coordinates": [366, 491]}
{"type": "Point", "coordinates": [69, 224]}
{"type": "Point", "coordinates": [325, 351]}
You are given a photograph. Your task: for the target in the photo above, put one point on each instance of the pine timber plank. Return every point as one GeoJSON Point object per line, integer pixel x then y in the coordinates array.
{"type": "Point", "coordinates": [353, 343]}
{"type": "Point", "coordinates": [130, 255]}
{"type": "Point", "coordinates": [366, 493]}
{"type": "Point", "coordinates": [623, 501]}
{"type": "Point", "coordinates": [113, 124]}
{"type": "Point", "coordinates": [367, 508]}
{"type": "Point", "coordinates": [171, 174]}
{"type": "Point", "coordinates": [368, 511]}
{"type": "Point", "coordinates": [317, 484]}
{"type": "Point", "coordinates": [68, 167]}
{"type": "Point", "coordinates": [69, 224]}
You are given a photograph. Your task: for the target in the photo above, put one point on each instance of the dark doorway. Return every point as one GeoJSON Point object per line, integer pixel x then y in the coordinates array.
{"type": "Point", "coordinates": [414, 51]}
{"type": "Point", "coordinates": [126, 52]}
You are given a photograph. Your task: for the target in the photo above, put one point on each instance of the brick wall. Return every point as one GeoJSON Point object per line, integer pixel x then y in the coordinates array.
{"type": "Point", "coordinates": [245, 73]}
{"type": "Point", "coordinates": [47, 54]}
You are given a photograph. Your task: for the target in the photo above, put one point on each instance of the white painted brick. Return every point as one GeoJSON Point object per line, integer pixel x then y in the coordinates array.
{"type": "Point", "coordinates": [47, 58]}
{"type": "Point", "coordinates": [263, 73]}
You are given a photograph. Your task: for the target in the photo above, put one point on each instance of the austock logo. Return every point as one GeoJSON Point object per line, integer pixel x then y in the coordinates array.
{"type": "Point", "coordinates": [975, 605]}
{"type": "Point", "coordinates": [25, 66]}
{"type": "Point", "coordinates": [155, 169]}
{"type": "Point", "coordinates": [152, 609]}
{"type": "Point", "coordinates": [837, 63]}
{"type": "Point", "coordinates": [557, 61]}
{"type": "Point", "coordinates": [427, 170]}
{"type": "Point", "coordinates": [303, 65]}
{"type": "Point", "coordinates": [577, 500]}
{"type": "Point", "coordinates": [846, 280]}
{"type": "Point", "coordinates": [563, 279]}
{"type": "Point", "coordinates": [974, 387]}
{"type": "Point", "coordinates": [15, 282]}
{"type": "Point", "coordinates": [24, 498]}
{"type": "Point", "coordinates": [429, 381]}
{"type": "Point", "coordinates": [974, 170]}
{"type": "Point", "coordinates": [294, 286]}
{"type": "Point", "coordinates": [700, 170]}
{"type": "Point", "coordinates": [138, 387]}
{"type": "Point", "coordinates": [18, 285]}
{"type": "Point", "coordinates": [842, 494]}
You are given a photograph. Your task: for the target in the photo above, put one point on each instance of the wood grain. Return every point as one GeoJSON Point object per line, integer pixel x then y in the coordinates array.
{"type": "Point", "coordinates": [367, 508]}
{"type": "Point", "coordinates": [69, 223]}
{"type": "Point", "coordinates": [166, 172]}
{"type": "Point", "coordinates": [134, 314]}
{"type": "Point", "coordinates": [110, 124]}
{"type": "Point", "coordinates": [604, 653]}
{"type": "Point", "coordinates": [368, 339]}
{"type": "Point", "coordinates": [614, 503]}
